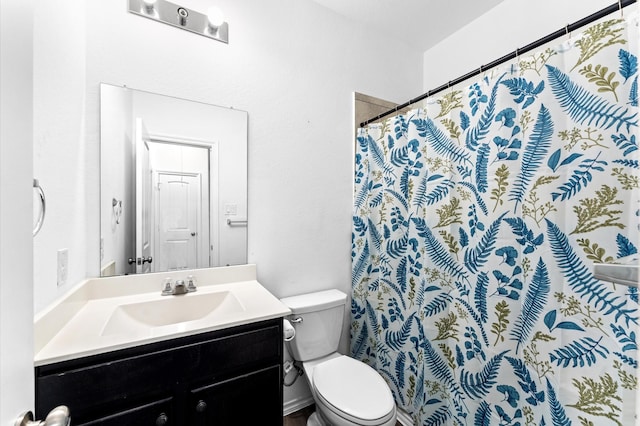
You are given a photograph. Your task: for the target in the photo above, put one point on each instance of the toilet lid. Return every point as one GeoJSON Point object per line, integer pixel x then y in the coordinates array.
{"type": "Point", "coordinates": [353, 388]}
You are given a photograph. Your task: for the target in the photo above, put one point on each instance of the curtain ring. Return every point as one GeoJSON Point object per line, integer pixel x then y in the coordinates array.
{"type": "Point", "coordinates": [620, 8]}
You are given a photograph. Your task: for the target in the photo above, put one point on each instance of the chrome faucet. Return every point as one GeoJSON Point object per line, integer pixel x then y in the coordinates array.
{"type": "Point", "coordinates": [179, 287]}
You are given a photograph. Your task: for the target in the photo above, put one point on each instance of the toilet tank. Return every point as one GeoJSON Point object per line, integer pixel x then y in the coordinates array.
{"type": "Point", "coordinates": [318, 334]}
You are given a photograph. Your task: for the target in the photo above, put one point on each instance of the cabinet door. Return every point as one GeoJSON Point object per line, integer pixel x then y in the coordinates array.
{"type": "Point", "coordinates": [253, 399]}
{"type": "Point", "coordinates": [158, 413]}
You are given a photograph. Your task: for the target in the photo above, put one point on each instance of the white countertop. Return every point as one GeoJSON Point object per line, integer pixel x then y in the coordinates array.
{"type": "Point", "coordinates": [74, 326]}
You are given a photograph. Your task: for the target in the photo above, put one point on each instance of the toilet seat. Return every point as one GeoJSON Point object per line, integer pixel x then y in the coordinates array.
{"type": "Point", "coordinates": [353, 391]}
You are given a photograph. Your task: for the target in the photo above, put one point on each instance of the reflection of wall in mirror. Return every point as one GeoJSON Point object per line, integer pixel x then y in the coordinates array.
{"type": "Point", "coordinates": [118, 167]}
{"type": "Point", "coordinates": [173, 118]}
{"type": "Point", "coordinates": [169, 116]}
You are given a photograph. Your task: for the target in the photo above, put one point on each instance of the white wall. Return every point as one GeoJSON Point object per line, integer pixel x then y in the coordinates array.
{"type": "Point", "coordinates": [511, 24]}
{"type": "Point", "coordinates": [292, 64]}
{"type": "Point", "coordinates": [59, 144]}
{"type": "Point", "coordinates": [227, 129]}
{"type": "Point", "coordinates": [16, 249]}
{"type": "Point", "coordinates": [117, 148]}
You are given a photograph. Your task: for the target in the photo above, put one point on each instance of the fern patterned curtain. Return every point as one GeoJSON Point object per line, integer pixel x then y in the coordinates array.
{"type": "Point", "coordinates": [476, 223]}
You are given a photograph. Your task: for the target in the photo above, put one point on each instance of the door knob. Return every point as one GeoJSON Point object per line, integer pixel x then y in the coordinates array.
{"type": "Point", "coordinates": [162, 420]}
{"type": "Point", "coordinates": [201, 407]}
{"type": "Point", "coordinates": [59, 416]}
{"type": "Point", "coordinates": [193, 234]}
{"type": "Point", "coordinates": [147, 260]}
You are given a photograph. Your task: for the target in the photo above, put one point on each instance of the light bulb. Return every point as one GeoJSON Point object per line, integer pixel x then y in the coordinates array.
{"type": "Point", "coordinates": [215, 17]}
{"type": "Point", "coordinates": [149, 6]}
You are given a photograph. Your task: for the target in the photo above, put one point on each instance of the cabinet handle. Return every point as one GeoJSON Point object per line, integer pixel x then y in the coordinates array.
{"type": "Point", "coordinates": [162, 420]}
{"type": "Point", "coordinates": [201, 407]}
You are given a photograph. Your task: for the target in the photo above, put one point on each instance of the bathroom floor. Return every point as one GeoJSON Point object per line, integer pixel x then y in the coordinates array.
{"type": "Point", "coordinates": [299, 418]}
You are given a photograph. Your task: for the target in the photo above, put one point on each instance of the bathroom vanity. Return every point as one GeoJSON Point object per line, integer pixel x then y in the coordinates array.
{"type": "Point", "coordinates": [222, 365]}
{"type": "Point", "coordinates": [209, 378]}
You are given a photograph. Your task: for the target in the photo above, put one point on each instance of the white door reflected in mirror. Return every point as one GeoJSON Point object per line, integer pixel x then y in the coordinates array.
{"type": "Point", "coordinates": [176, 165]}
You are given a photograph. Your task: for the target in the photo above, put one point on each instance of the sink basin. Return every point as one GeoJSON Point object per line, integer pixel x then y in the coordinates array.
{"type": "Point", "coordinates": [174, 311]}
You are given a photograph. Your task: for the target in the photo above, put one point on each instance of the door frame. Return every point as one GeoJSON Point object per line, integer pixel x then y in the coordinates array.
{"type": "Point", "coordinates": [213, 187]}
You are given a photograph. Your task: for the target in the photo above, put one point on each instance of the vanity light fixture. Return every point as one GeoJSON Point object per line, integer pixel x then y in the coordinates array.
{"type": "Point", "coordinates": [211, 25]}
{"type": "Point", "coordinates": [149, 4]}
{"type": "Point", "coordinates": [215, 18]}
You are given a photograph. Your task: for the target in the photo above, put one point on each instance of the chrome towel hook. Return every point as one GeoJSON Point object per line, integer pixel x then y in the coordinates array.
{"type": "Point", "coordinates": [43, 210]}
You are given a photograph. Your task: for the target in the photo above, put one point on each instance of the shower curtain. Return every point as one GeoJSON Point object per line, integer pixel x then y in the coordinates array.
{"type": "Point", "coordinates": [475, 226]}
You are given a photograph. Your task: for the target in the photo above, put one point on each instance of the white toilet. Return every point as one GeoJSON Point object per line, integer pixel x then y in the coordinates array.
{"type": "Point", "coordinates": [347, 392]}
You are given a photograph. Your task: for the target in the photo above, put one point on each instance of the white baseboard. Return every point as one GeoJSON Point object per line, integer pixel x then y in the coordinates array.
{"type": "Point", "coordinates": [404, 418]}
{"type": "Point", "coordinates": [295, 405]}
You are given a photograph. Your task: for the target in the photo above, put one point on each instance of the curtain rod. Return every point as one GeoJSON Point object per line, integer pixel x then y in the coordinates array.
{"type": "Point", "coordinates": [542, 41]}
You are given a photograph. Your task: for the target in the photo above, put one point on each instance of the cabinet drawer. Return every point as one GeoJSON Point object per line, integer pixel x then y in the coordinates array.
{"type": "Point", "coordinates": [221, 358]}
{"type": "Point", "coordinates": [159, 413]}
{"type": "Point", "coordinates": [252, 399]}
{"type": "Point", "coordinates": [121, 382]}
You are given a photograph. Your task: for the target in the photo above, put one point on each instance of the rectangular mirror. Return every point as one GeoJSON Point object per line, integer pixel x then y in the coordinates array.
{"type": "Point", "coordinates": [173, 189]}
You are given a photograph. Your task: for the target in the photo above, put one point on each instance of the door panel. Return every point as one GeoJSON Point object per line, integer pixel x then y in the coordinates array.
{"type": "Point", "coordinates": [178, 215]}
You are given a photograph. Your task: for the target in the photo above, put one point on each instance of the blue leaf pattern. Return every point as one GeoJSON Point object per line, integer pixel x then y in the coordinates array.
{"type": "Point", "coordinates": [481, 130]}
{"type": "Point", "coordinates": [534, 154]}
{"type": "Point", "coordinates": [583, 106]}
{"type": "Point", "coordinates": [580, 353]}
{"type": "Point", "coordinates": [475, 258]}
{"type": "Point", "coordinates": [628, 64]}
{"type": "Point", "coordinates": [580, 178]}
{"type": "Point", "coordinates": [474, 234]}
{"type": "Point", "coordinates": [625, 247]}
{"type": "Point", "coordinates": [558, 414]}
{"type": "Point", "coordinates": [479, 384]}
{"type": "Point", "coordinates": [440, 142]}
{"type": "Point", "coordinates": [483, 415]}
{"type": "Point", "coordinates": [582, 281]}
{"type": "Point", "coordinates": [533, 305]}
{"type": "Point", "coordinates": [525, 91]}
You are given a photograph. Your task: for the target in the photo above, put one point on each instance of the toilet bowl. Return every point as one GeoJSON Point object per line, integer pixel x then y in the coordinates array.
{"type": "Point", "coordinates": [347, 392]}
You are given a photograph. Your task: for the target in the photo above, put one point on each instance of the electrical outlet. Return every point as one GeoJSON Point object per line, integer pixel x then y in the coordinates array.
{"type": "Point", "coordinates": [63, 266]}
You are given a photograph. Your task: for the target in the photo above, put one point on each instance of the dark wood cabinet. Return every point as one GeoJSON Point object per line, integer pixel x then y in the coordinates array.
{"type": "Point", "coordinates": [230, 376]}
